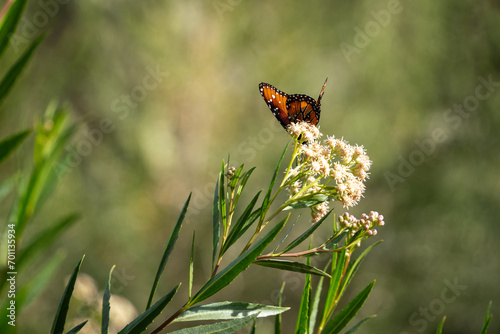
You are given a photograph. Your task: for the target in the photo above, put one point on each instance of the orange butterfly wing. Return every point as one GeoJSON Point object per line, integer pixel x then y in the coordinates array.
{"type": "Point", "coordinates": [276, 101]}
{"type": "Point", "coordinates": [303, 108]}
{"type": "Point", "coordinates": [291, 108]}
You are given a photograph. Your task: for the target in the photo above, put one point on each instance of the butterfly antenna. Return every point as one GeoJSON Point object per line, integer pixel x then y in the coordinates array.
{"type": "Point", "coordinates": [321, 94]}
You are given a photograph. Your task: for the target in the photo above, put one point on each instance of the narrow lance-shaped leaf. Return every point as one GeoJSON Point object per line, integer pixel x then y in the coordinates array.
{"type": "Point", "coordinates": [241, 186]}
{"type": "Point", "coordinates": [244, 221]}
{"type": "Point", "coordinates": [226, 327]}
{"type": "Point", "coordinates": [50, 141]}
{"type": "Point", "coordinates": [277, 320]}
{"type": "Point", "coordinates": [191, 267]}
{"type": "Point", "coordinates": [228, 274]}
{"type": "Point", "coordinates": [62, 310]}
{"type": "Point", "coordinates": [222, 198]}
{"type": "Point", "coordinates": [252, 331]}
{"type": "Point", "coordinates": [228, 311]}
{"type": "Point", "coordinates": [341, 320]}
{"type": "Point", "coordinates": [351, 270]}
{"type": "Point", "coordinates": [306, 234]}
{"type": "Point", "coordinates": [145, 319]}
{"type": "Point", "coordinates": [265, 203]}
{"type": "Point", "coordinates": [9, 23]}
{"type": "Point", "coordinates": [234, 236]}
{"type": "Point", "coordinates": [315, 304]}
{"type": "Point", "coordinates": [332, 243]}
{"type": "Point", "coordinates": [286, 235]}
{"type": "Point", "coordinates": [215, 220]}
{"type": "Point", "coordinates": [315, 315]}
{"type": "Point", "coordinates": [168, 250]}
{"type": "Point", "coordinates": [487, 319]}
{"type": "Point", "coordinates": [42, 179]}
{"type": "Point", "coordinates": [48, 148]}
{"type": "Point", "coordinates": [304, 309]}
{"type": "Point", "coordinates": [338, 264]}
{"type": "Point", "coordinates": [77, 328]}
{"type": "Point", "coordinates": [9, 144]}
{"type": "Point", "coordinates": [236, 176]}
{"type": "Point", "coordinates": [439, 330]}
{"type": "Point", "coordinates": [10, 77]}
{"type": "Point", "coordinates": [354, 328]}
{"type": "Point", "coordinates": [307, 201]}
{"type": "Point", "coordinates": [297, 267]}
{"type": "Point", "coordinates": [105, 303]}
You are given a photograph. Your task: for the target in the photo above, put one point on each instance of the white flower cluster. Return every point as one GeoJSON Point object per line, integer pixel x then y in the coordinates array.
{"type": "Point", "coordinates": [334, 160]}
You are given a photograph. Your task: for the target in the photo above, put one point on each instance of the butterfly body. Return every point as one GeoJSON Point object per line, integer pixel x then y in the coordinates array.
{"type": "Point", "coordinates": [288, 108]}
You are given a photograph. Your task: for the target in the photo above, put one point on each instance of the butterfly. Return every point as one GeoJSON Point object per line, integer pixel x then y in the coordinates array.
{"type": "Point", "coordinates": [291, 108]}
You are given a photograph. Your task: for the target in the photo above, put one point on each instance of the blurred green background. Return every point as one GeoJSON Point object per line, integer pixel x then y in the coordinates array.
{"type": "Point", "coordinates": [398, 74]}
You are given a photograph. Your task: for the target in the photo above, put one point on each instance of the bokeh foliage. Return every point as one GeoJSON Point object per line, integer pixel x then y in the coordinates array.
{"type": "Point", "coordinates": [149, 151]}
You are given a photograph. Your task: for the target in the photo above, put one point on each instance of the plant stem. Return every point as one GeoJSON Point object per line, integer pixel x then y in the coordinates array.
{"type": "Point", "coordinates": [172, 318]}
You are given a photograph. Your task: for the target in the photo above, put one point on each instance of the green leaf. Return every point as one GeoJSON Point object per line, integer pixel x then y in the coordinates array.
{"type": "Point", "coordinates": [303, 316]}
{"type": "Point", "coordinates": [10, 77]}
{"type": "Point", "coordinates": [105, 304]}
{"type": "Point", "coordinates": [222, 199]}
{"type": "Point", "coordinates": [10, 22]}
{"type": "Point", "coordinates": [358, 325]}
{"type": "Point", "coordinates": [77, 328]}
{"type": "Point", "coordinates": [228, 274]}
{"type": "Point", "coordinates": [139, 324]}
{"type": "Point", "coordinates": [338, 264]}
{"type": "Point", "coordinates": [168, 250]}
{"type": "Point", "coordinates": [227, 327]}
{"type": "Point", "coordinates": [252, 331]}
{"type": "Point", "coordinates": [233, 237]}
{"type": "Point", "coordinates": [341, 320]}
{"type": "Point", "coordinates": [243, 182]}
{"type": "Point", "coordinates": [351, 271]}
{"type": "Point", "coordinates": [307, 201]}
{"type": "Point", "coordinates": [487, 319]}
{"type": "Point", "coordinates": [215, 220]}
{"type": "Point", "coordinates": [52, 133]}
{"type": "Point", "coordinates": [228, 311]}
{"type": "Point", "coordinates": [277, 320]}
{"type": "Point", "coordinates": [242, 224]}
{"type": "Point", "coordinates": [236, 177]}
{"type": "Point", "coordinates": [297, 267]}
{"type": "Point", "coordinates": [305, 235]}
{"type": "Point", "coordinates": [62, 310]}
{"type": "Point", "coordinates": [43, 178]}
{"type": "Point", "coordinates": [266, 203]}
{"type": "Point", "coordinates": [9, 144]}
{"type": "Point", "coordinates": [286, 235]}
{"type": "Point", "coordinates": [46, 238]}
{"type": "Point", "coordinates": [315, 304]}
{"type": "Point", "coordinates": [336, 240]}
{"type": "Point", "coordinates": [48, 176]}
{"type": "Point", "coordinates": [439, 330]}
{"type": "Point", "coordinates": [191, 268]}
